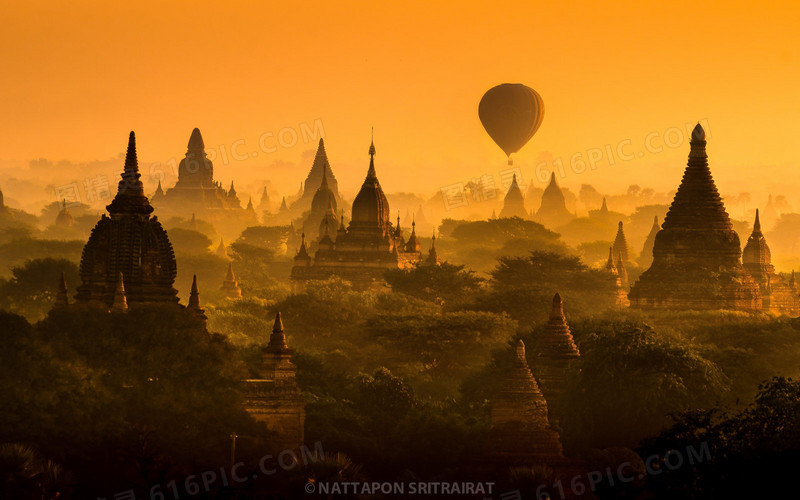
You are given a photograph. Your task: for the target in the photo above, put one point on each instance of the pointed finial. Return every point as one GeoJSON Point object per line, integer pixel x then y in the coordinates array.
{"type": "Point", "coordinates": [557, 312]}
{"type": "Point", "coordinates": [196, 141]}
{"type": "Point", "coordinates": [277, 340]}
{"type": "Point", "coordinates": [194, 294]}
{"type": "Point", "coordinates": [698, 134]}
{"type": "Point", "coordinates": [131, 162]}
{"type": "Point", "coordinates": [757, 225]}
{"type": "Point", "coordinates": [521, 351]}
{"type": "Point", "coordinates": [372, 142]}
{"type": "Point", "coordinates": [619, 226]}
{"type": "Point", "coordinates": [120, 303]}
{"type": "Point", "coordinates": [61, 297]}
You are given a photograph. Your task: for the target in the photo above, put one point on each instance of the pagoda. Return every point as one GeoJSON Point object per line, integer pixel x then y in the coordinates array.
{"type": "Point", "coordinates": [777, 295]}
{"type": "Point", "coordinates": [696, 254]}
{"type": "Point", "coordinates": [620, 295]}
{"type": "Point", "coordinates": [274, 398]}
{"type": "Point", "coordinates": [555, 348]}
{"type": "Point", "coordinates": [196, 191]}
{"type": "Point", "coordinates": [553, 210]}
{"type": "Point", "coordinates": [230, 287]}
{"type": "Point", "coordinates": [64, 218]}
{"type": "Point", "coordinates": [520, 432]}
{"type": "Point", "coordinates": [514, 203]}
{"type": "Point", "coordinates": [320, 169]}
{"type": "Point", "coordinates": [621, 244]}
{"type": "Point", "coordinates": [129, 241]}
{"type": "Point", "coordinates": [646, 257]}
{"type": "Point", "coordinates": [366, 248]}
{"type": "Point", "coordinates": [323, 209]}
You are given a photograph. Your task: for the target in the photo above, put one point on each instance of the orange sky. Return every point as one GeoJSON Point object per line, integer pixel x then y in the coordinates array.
{"type": "Point", "coordinates": [77, 76]}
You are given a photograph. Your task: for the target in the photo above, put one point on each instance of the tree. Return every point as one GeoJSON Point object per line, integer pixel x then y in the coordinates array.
{"type": "Point", "coordinates": [33, 286]}
{"type": "Point", "coordinates": [189, 241]}
{"type": "Point", "coordinates": [628, 381]}
{"type": "Point", "coordinates": [446, 282]}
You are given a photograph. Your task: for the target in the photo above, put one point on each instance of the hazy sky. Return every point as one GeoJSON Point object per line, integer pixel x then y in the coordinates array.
{"type": "Point", "coordinates": [77, 76]}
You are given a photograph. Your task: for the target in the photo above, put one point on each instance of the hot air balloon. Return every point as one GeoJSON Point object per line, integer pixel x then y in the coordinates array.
{"type": "Point", "coordinates": [511, 113]}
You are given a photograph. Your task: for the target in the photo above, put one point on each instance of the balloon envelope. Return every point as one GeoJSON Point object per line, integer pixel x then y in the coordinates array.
{"type": "Point", "coordinates": [511, 113]}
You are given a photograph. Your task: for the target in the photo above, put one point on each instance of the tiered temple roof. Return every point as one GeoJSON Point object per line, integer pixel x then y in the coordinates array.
{"type": "Point", "coordinates": [520, 431]}
{"type": "Point", "coordinates": [555, 348]}
{"type": "Point", "coordinates": [696, 254]}
{"type": "Point", "coordinates": [129, 241]}
{"type": "Point", "coordinates": [621, 244]}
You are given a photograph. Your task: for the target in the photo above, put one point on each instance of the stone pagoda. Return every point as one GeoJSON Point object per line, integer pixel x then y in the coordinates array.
{"type": "Point", "coordinates": [777, 295]}
{"type": "Point", "coordinates": [646, 257]}
{"type": "Point", "coordinates": [230, 287]}
{"type": "Point", "coordinates": [321, 168]}
{"type": "Point", "coordinates": [128, 241]}
{"type": "Point", "coordinates": [274, 398]}
{"type": "Point", "coordinates": [553, 210]}
{"type": "Point", "coordinates": [520, 432]}
{"type": "Point", "coordinates": [620, 247]}
{"type": "Point", "coordinates": [620, 295]}
{"type": "Point", "coordinates": [196, 190]}
{"type": "Point", "coordinates": [514, 203]}
{"type": "Point", "coordinates": [366, 248]}
{"type": "Point", "coordinates": [554, 350]}
{"type": "Point", "coordinates": [696, 254]}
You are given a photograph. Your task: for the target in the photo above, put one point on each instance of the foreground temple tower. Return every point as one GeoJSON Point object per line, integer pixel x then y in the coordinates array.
{"type": "Point", "coordinates": [274, 398]}
{"type": "Point", "coordinates": [776, 294]}
{"type": "Point", "coordinates": [131, 242]}
{"type": "Point", "coordinates": [696, 254]}
{"type": "Point", "coordinates": [555, 348]}
{"type": "Point", "coordinates": [520, 432]}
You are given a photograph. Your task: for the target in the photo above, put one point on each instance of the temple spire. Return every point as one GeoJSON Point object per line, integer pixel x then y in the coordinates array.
{"type": "Point", "coordinates": [610, 266]}
{"type": "Point", "coordinates": [230, 287]}
{"type": "Point", "coordinates": [757, 224]}
{"type": "Point", "coordinates": [371, 172]}
{"type": "Point", "coordinates": [194, 294]}
{"type": "Point", "coordinates": [196, 144]}
{"type": "Point", "coordinates": [62, 300]}
{"type": "Point", "coordinates": [277, 341]}
{"type": "Point", "coordinates": [120, 303]}
{"type": "Point", "coordinates": [130, 198]}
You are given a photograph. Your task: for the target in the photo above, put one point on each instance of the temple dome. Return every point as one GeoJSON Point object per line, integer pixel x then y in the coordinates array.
{"type": "Point", "coordinates": [324, 198]}
{"type": "Point", "coordinates": [371, 205]}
